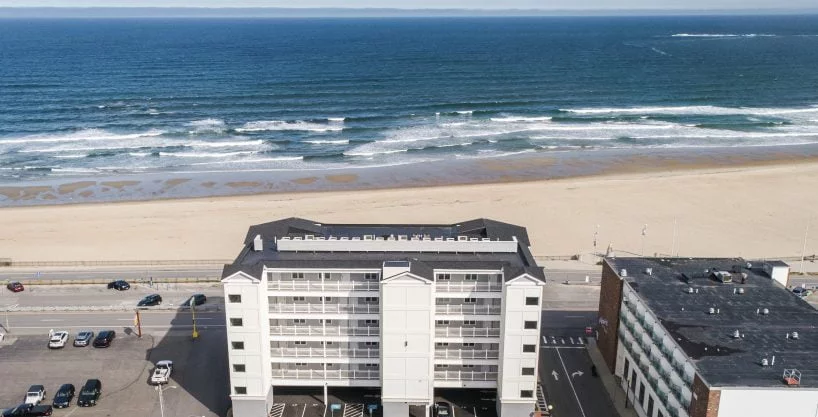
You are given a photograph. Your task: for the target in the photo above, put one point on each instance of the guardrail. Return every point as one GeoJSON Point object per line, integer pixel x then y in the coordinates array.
{"type": "Point", "coordinates": [321, 331]}
{"type": "Point", "coordinates": [102, 281]}
{"type": "Point", "coordinates": [8, 262]}
{"type": "Point", "coordinates": [320, 374]}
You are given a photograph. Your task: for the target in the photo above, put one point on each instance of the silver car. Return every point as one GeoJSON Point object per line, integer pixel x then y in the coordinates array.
{"type": "Point", "coordinates": [83, 338]}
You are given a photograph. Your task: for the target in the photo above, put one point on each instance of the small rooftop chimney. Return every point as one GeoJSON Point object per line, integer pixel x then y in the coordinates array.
{"type": "Point", "coordinates": [257, 244]}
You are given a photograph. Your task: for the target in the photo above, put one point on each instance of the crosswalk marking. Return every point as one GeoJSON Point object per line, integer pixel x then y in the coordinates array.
{"type": "Point", "coordinates": [562, 340]}
{"type": "Point", "coordinates": [277, 410]}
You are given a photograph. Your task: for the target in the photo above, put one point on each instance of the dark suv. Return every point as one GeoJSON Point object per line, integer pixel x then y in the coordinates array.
{"type": "Point", "coordinates": [90, 392]}
{"type": "Point", "coordinates": [196, 300]}
{"type": "Point", "coordinates": [119, 285]}
{"type": "Point", "coordinates": [150, 300]}
{"type": "Point", "coordinates": [63, 396]}
{"type": "Point", "coordinates": [104, 339]}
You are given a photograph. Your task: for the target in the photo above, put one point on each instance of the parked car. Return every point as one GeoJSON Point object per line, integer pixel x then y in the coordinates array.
{"type": "Point", "coordinates": [63, 396]}
{"type": "Point", "coordinates": [801, 291]}
{"type": "Point", "coordinates": [90, 392]}
{"type": "Point", "coordinates": [195, 299]}
{"type": "Point", "coordinates": [161, 373]}
{"type": "Point", "coordinates": [35, 394]}
{"type": "Point", "coordinates": [58, 340]}
{"type": "Point", "coordinates": [119, 285]}
{"type": "Point", "coordinates": [15, 286]}
{"type": "Point", "coordinates": [104, 339]}
{"type": "Point", "coordinates": [150, 300]}
{"type": "Point", "coordinates": [443, 409]}
{"type": "Point", "coordinates": [29, 410]}
{"type": "Point", "coordinates": [83, 338]}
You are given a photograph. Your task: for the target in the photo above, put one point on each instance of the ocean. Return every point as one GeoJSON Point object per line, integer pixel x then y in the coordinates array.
{"type": "Point", "coordinates": [103, 98]}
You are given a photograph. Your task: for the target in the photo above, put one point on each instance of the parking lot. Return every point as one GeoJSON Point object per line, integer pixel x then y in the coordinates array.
{"type": "Point", "coordinates": [198, 386]}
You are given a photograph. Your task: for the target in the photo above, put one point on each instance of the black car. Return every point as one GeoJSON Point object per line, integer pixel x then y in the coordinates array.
{"type": "Point", "coordinates": [63, 396]}
{"type": "Point", "coordinates": [150, 300]}
{"type": "Point", "coordinates": [29, 410]}
{"type": "Point", "coordinates": [196, 299]}
{"type": "Point", "coordinates": [90, 392]}
{"type": "Point", "coordinates": [119, 285]}
{"type": "Point", "coordinates": [104, 339]}
{"type": "Point", "coordinates": [15, 286]}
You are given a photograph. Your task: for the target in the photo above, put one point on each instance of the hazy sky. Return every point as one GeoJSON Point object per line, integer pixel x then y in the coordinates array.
{"type": "Point", "coordinates": [431, 4]}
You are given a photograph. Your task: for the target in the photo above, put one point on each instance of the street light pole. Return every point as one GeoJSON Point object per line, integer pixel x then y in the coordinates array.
{"type": "Point", "coordinates": [161, 399]}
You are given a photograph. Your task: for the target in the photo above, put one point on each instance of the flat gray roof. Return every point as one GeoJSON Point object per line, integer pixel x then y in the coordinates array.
{"type": "Point", "coordinates": [721, 359]}
{"type": "Point", "coordinates": [423, 263]}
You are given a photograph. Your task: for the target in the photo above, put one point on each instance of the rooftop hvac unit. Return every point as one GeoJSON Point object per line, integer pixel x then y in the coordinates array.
{"type": "Point", "coordinates": [765, 362]}
{"type": "Point", "coordinates": [711, 310]}
{"type": "Point", "coordinates": [623, 272]}
{"type": "Point", "coordinates": [736, 334]}
{"type": "Point", "coordinates": [741, 290]}
{"type": "Point", "coordinates": [690, 290]}
{"type": "Point", "coordinates": [649, 271]}
{"type": "Point", "coordinates": [794, 335]}
{"type": "Point", "coordinates": [765, 311]}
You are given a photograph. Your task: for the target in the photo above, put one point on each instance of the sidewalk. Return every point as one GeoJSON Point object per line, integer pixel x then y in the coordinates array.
{"type": "Point", "coordinates": [608, 381]}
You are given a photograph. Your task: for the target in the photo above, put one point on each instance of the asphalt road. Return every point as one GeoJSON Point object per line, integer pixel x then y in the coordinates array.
{"type": "Point", "coordinates": [153, 322]}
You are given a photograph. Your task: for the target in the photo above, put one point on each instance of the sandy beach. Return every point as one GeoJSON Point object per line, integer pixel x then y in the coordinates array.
{"type": "Point", "coordinates": [751, 211]}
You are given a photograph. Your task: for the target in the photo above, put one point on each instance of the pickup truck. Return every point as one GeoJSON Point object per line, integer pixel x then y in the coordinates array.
{"type": "Point", "coordinates": [29, 410]}
{"type": "Point", "coordinates": [35, 394]}
{"type": "Point", "coordinates": [161, 374]}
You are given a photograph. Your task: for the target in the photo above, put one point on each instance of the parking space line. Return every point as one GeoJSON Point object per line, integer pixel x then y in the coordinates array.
{"type": "Point", "coordinates": [304, 411]}
{"type": "Point", "coordinates": [570, 383]}
{"type": "Point", "coordinates": [544, 340]}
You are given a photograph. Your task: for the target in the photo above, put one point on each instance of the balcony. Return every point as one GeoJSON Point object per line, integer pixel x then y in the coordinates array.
{"type": "Point", "coordinates": [444, 286]}
{"type": "Point", "coordinates": [466, 332]}
{"type": "Point", "coordinates": [323, 286]}
{"type": "Point", "coordinates": [467, 309]}
{"type": "Point", "coordinates": [323, 331]}
{"type": "Point", "coordinates": [325, 308]}
{"type": "Point", "coordinates": [465, 376]}
{"type": "Point", "coordinates": [467, 354]}
{"type": "Point", "coordinates": [320, 374]}
{"type": "Point", "coordinates": [324, 353]}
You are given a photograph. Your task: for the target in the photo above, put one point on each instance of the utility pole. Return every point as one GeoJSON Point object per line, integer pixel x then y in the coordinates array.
{"type": "Point", "coordinates": [193, 312]}
{"type": "Point", "coordinates": [138, 322]}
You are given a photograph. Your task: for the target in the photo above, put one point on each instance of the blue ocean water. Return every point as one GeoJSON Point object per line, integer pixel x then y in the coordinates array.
{"type": "Point", "coordinates": [96, 97]}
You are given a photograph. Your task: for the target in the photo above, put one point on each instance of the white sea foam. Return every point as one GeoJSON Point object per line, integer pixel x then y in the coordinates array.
{"type": "Point", "coordinates": [82, 135]}
{"type": "Point", "coordinates": [280, 125]}
{"type": "Point", "coordinates": [252, 160]}
{"type": "Point", "coordinates": [465, 112]}
{"type": "Point", "coordinates": [336, 119]}
{"type": "Point", "coordinates": [659, 51]}
{"type": "Point", "coordinates": [514, 119]}
{"type": "Point", "coordinates": [207, 126]}
{"type": "Point", "coordinates": [327, 142]}
{"type": "Point", "coordinates": [206, 154]}
{"type": "Point", "coordinates": [693, 110]}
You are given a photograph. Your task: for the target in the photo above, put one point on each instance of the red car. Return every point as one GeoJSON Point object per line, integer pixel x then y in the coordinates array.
{"type": "Point", "coordinates": [15, 286]}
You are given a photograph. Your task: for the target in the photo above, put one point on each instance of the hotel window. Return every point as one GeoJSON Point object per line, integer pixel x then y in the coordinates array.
{"type": "Point", "coordinates": [298, 275]}
{"type": "Point", "coordinates": [529, 348]}
{"type": "Point", "coordinates": [300, 364]}
{"type": "Point", "coordinates": [369, 276]}
{"type": "Point", "coordinates": [469, 322]}
{"type": "Point", "coordinates": [238, 367]}
{"type": "Point", "coordinates": [326, 321]}
{"type": "Point", "coordinates": [371, 300]}
{"type": "Point", "coordinates": [468, 366]}
{"type": "Point", "coordinates": [530, 324]}
{"type": "Point", "coordinates": [236, 322]}
{"type": "Point", "coordinates": [532, 301]}
{"type": "Point", "coordinates": [371, 322]}
{"type": "Point", "coordinates": [326, 299]}
{"type": "Point", "coordinates": [526, 393]}
{"type": "Point", "coordinates": [300, 342]}
{"type": "Point", "coordinates": [441, 366]}
{"type": "Point", "coordinates": [371, 344]}
{"type": "Point", "coordinates": [371, 365]}
{"type": "Point", "coordinates": [441, 344]}
{"type": "Point", "coordinates": [325, 275]}
{"type": "Point", "coordinates": [237, 345]}
{"type": "Point", "coordinates": [234, 298]}
{"type": "Point", "coordinates": [444, 277]}
{"type": "Point", "coordinates": [240, 390]}
{"type": "Point", "coordinates": [468, 344]}
{"type": "Point", "coordinates": [299, 321]}
{"type": "Point", "coordinates": [470, 300]}
{"type": "Point", "coordinates": [443, 322]}
{"type": "Point", "coordinates": [299, 299]}
{"type": "Point", "coordinates": [471, 277]}
{"type": "Point", "coordinates": [527, 371]}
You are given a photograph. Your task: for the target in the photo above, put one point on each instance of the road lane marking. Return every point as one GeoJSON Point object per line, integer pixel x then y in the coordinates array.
{"type": "Point", "coordinates": [52, 320]}
{"type": "Point", "coordinates": [574, 317]}
{"type": "Point", "coordinates": [571, 384]}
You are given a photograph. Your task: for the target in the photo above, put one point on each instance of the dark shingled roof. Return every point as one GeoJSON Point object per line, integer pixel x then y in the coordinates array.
{"type": "Point", "coordinates": [422, 263]}
{"type": "Point", "coordinates": [721, 359]}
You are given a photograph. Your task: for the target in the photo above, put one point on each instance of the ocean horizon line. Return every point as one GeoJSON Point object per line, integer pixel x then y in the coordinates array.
{"type": "Point", "coordinates": [340, 12]}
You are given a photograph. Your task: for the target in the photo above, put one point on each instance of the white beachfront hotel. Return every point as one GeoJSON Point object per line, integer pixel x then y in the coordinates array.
{"type": "Point", "coordinates": [407, 308]}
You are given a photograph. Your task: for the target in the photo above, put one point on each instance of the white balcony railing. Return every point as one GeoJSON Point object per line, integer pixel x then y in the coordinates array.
{"type": "Point", "coordinates": [444, 286]}
{"type": "Point", "coordinates": [323, 331]}
{"type": "Point", "coordinates": [466, 332]}
{"type": "Point", "coordinates": [323, 286]}
{"type": "Point", "coordinates": [466, 354]}
{"type": "Point", "coordinates": [324, 353]}
{"type": "Point", "coordinates": [325, 308]}
{"type": "Point", "coordinates": [469, 309]}
{"type": "Point", "coordinates": [465, 376]}
{"type": "Point", "coordinates": [320, 374]}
